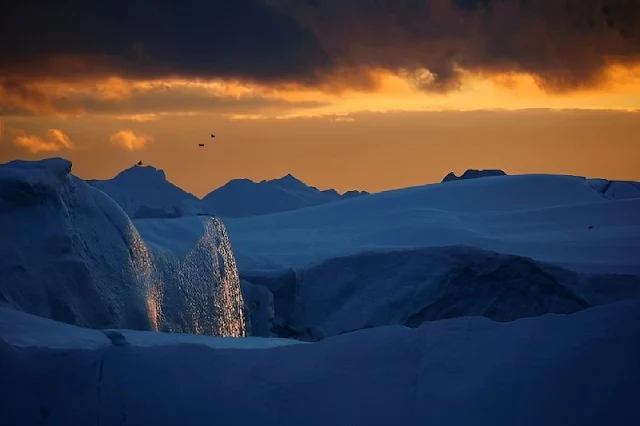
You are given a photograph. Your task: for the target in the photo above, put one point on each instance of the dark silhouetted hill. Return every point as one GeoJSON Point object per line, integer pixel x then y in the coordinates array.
{"type": "Point", "coordinates": [244, 197]}
{"type": "Point", "coordinates": [144, 191]}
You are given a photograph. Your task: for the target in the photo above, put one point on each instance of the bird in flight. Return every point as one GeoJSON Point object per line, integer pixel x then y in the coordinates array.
{"type": "Point", "coordinates": [212, 135]}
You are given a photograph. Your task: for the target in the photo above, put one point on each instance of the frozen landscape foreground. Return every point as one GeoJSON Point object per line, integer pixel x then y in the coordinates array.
{"type": "Point", "coordinates": [403, 257]}
{"type": "Point", "coordinates": [580, 369]}
{"type": "Point", "coordinates": [585, 225]}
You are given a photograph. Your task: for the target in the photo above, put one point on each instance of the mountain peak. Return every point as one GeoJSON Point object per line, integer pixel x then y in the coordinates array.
{"type": "Point", "coordinates": [147, 188]}
{"type": "Point", "coordinates": [287, 178]}
{"type": "Point", "coordinates": [288, 181]}
{"type": "Point", "coordinates": [143, 173]}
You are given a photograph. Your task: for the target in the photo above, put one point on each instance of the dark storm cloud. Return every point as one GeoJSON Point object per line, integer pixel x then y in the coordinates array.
{"type": "Point", "coordinates": [151, 38]}
{"type": "Point", "coordinates": [566, 44]}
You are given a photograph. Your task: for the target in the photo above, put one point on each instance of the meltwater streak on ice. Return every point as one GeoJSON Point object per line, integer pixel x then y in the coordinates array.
{"type": "Point", "coordinates": [148, 278]}
{"type": "Point", "coordinates": [197, 294]}
{"type": "Point", "coordinates": [228, 314]}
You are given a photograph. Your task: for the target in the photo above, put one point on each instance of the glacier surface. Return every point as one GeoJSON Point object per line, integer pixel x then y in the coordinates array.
{"type": "Point", "coordinates": [551, 218]}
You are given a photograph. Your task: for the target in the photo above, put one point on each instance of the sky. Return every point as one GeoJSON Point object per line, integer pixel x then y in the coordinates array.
{"type": "Point", "coordinates": [348, 94]}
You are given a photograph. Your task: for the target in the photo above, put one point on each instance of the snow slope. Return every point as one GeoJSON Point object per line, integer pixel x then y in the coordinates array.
{"type": "Point", "coordinates": [243, 197]}
{"type": "Point", "coordinates": [413, 286]}
{"type": "Point", "coordinates": [552, 218]}
{"type": "Point", "coordinates": [70, 253]}
{"type": "Point", "coordinates": [144, 191]}
{"type": "Point", "coordinates": [566, 370]}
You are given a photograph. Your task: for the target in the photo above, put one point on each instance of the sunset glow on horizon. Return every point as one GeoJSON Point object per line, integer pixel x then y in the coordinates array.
{"type": "Point", "coordinates": [351, 98]}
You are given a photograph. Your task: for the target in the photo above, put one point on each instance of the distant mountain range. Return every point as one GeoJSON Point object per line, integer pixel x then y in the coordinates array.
{"type": "Point", "coordinates": [244, 197]}
{"type": "Point", "coordinates": [145, 192]}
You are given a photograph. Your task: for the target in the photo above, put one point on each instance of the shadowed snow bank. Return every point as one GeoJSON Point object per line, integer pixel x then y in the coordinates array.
{"type": "Point", "coordinates": [410, 287]}
{"type": "Point", "coordinates": [564, 370]}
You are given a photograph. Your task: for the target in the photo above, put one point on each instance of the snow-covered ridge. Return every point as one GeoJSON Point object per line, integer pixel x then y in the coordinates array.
{"type": "Point", "coordinates": [556, 370]}
{"type": "Point", "coordinates": [70, 253]}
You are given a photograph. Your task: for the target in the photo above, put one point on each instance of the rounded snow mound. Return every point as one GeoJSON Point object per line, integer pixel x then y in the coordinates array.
{"type": "Point", "coordinates": [23, 182]}
{"type": "Point", "coordinates": [70, 253]}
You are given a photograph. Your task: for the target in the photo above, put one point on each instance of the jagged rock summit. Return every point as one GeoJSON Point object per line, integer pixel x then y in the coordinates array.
{"type": "Point", "coordinates": [474, 174]}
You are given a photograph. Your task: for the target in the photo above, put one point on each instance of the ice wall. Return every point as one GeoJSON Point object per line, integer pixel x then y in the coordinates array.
{"type": "Point", "coordinates": [68, 252]}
